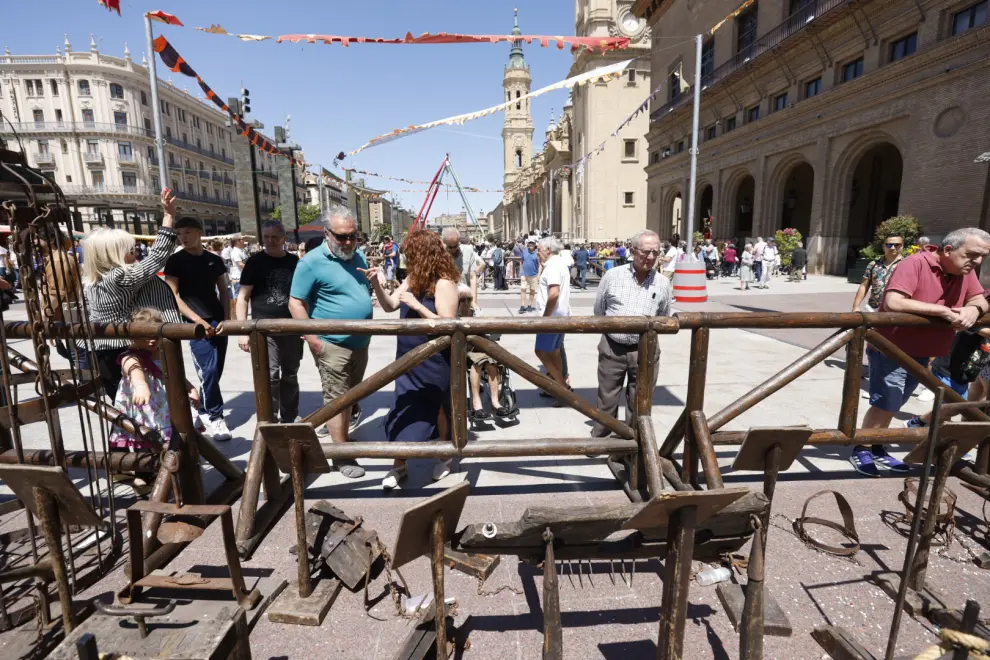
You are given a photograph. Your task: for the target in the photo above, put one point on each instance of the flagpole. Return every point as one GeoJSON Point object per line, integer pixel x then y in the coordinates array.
{"type": "Point", "coordinates": [156, 105]}
{"type": "Point", "coordinates": [693, 181]}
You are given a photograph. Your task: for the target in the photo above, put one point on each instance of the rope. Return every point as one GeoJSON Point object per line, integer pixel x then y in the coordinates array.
{"type": "Point", "coordinates": [977, 646]}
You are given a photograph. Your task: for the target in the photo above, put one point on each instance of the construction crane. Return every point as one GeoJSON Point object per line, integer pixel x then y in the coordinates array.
{"type": "Point", "coordinates": [434, 188]}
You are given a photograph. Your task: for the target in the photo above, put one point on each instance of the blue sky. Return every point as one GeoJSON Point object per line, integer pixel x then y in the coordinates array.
{"type": "Point", "coordinates": [341, 97]}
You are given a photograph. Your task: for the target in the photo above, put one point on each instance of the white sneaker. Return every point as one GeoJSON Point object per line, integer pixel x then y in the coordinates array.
{"type": "Point", "coordinates": [219, 431]}
{"type": "Point", "coordinates": [394, 476]}
{"type": "Point", "coordinates": [442, 469]}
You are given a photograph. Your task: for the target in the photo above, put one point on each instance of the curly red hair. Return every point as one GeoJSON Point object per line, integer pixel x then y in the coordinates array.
{"type": "Point", "coordinates": [427, 262]}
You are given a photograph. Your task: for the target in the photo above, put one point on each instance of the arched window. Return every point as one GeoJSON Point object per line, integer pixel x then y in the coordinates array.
{"type": "Point", "coordinates": [517, 101]}
{"type": "Point", "coordinates": [116, 91]}
{"type": "Point", "coordinates": [519, 158]}
{"type": "Point", "coordinates": [83, 88]}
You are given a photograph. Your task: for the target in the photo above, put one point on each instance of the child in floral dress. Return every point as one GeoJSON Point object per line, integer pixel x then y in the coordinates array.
{"type": "Point", "coordinates": [141, 395]}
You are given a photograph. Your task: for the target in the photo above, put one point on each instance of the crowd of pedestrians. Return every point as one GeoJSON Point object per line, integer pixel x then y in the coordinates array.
{"type": "Point", "coordinates": [437, 275]}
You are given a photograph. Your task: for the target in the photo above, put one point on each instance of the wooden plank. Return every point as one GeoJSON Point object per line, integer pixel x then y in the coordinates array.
{"type": "Point", "coordinates": [593, 524]}
{"type": "Point", "coordinates": [73, 509]}
{"type": "Point", "coordinates": [458, 390]}
{"type": "Point", "coordinates": [292, 608]}
{"type": "Point", "coordinates": [840, 644]}
{"type": "Point", "coordinates": [759, 440]}
{"type": "Point", "coordinates": [776, 623]}
{"type": "Point", "coordinates": [657, 511]}
{"type": "Point", "coordinates": [553, 634]}
{"type": "Point", "coordinates": [477, 565]}
{"type": "Point", "coordinates": [413, 539]}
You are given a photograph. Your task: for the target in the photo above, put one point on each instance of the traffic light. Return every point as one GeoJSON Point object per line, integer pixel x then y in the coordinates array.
{"type": "Point", "coordinates": [245, 101]}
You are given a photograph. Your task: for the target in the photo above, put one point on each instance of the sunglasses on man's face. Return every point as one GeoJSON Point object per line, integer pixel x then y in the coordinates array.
{"type": "Point", "coordinates": [343, 238]}
{"type": "Point", "coordinates": [894, 245]}
{"type": "Point", "coordinates": [648, 253]}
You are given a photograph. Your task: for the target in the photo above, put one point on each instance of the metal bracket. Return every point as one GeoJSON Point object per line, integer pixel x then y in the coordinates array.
{"type": "Point", "coordinates": [139, 613]}
{"type": "Point", "coordinates": [788, 74]}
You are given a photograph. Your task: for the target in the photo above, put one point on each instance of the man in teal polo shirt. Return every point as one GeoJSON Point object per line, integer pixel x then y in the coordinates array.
{"type": "Point", "coordinates": [329, 283]}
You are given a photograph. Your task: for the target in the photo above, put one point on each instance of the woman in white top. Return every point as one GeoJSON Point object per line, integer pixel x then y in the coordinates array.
{"type": "Point", "coordinates": [746, 267]}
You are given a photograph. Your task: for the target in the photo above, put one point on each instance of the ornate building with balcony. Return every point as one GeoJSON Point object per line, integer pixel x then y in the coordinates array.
{"type": "Point", "coordinates": [85, 118]}
{"type": "Point", "coordinates": [822, 115]}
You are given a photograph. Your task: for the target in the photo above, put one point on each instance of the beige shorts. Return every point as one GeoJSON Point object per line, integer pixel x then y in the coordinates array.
{"type": "Point", "coordinates": [528, 283]}
{"type": "Point", "coordinates": [341, 368]}
{"type": "Point", "coordinates": [479, 358]}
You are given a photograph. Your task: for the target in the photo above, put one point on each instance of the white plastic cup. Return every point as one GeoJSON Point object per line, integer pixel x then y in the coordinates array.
{"type": "Point", "coordinates": [713, 575]}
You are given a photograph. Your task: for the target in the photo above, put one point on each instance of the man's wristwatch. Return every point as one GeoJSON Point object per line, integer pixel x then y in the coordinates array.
{"type": "Point", "coordinates": [978, 308]}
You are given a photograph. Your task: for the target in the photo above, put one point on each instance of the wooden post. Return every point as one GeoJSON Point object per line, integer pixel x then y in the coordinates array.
{"type": "Point", "coordinates": [676, 583]}
{"type": "Point", "coordinates": [190, 476]}
{"type": "Point", "coordinates": [919, 573]}
{"type": "Point", "coordinates": [458, 390]}
{"type": "Point", "coordinates": [263, 402]}
{"type": "Point", "coordinates": [645, 356]}
{"type": "Point", "coordinates": [651, 460]}
{"type": "Point", "coordinates": [437, 536]}
{"type": "Point", "coordinates": [771, 469]}
{"type": "Point", "coordinates": [751, 625]}
{"type": "Point", "coordinates": [52, 528]}
{"type": "Point", "coordinates": [849, 410]}
{"type": "Point", "coordinates": [697, 375]}
{"type": "Point", "coordinates": [706, 451]}
{"type": "Point", "coordinates": [553, 643]}
{"type": "Point", "coordinates": [298, 491]}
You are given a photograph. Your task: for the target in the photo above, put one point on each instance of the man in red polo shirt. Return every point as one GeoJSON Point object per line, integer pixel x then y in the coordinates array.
{"type": "Point", "coordinates": [941, 284]}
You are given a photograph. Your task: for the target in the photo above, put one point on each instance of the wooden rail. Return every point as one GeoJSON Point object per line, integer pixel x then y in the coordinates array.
{"type": "Point", "coordinates": [646, 469]}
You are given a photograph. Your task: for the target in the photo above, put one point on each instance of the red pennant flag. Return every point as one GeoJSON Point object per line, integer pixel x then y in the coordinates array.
{"type": "Point", "coordinates": [111, 5]}
{"type": "Point", "coordinates": [162, 17]}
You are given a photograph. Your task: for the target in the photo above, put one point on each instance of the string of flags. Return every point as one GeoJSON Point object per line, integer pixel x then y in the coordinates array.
{"type": "Point", "coordinates": [415, 181]}
{"type": "Point", "coordinates": [601, 74]}
{"type": "Point", "coordinates": [176, 63]}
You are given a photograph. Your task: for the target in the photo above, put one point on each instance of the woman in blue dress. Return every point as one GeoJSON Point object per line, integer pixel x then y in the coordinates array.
{"type": "Point", "coordinates": [421, 408]}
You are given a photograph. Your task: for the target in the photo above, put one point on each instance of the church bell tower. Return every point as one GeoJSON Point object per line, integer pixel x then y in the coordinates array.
{"type": "Point", "coordinates": [517, 132]}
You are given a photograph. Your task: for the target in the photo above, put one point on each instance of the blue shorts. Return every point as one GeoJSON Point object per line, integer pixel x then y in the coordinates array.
{"type": "Point", "coordinates": [549, 343]}
{"type": "Point", "coordinates": [962, 389]}
{"type": "Point", "coordinates": [890, 384]}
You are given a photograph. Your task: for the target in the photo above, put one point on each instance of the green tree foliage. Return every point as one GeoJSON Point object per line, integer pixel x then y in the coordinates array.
{"type": "Point", "coordinates": [905, 226]}
{"type": "Point", "coordinates": [787, 240]}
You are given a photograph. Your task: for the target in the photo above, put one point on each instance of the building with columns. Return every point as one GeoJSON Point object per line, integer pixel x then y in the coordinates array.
{"type": "Point", "coordinates": [85, 119]}
{"type": "Point", "coordinates": [822, 115]}
{"type": "Point", "coordinates": [604, 199]}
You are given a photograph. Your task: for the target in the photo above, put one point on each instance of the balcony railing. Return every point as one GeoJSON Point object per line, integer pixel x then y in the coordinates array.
{"type": "Point", "coordinates": [227, 179]}
{"type": "Point", "coordinates": [199, 150]}
{"type": "Point", "coordinates": [78, 190]}
{"type": "Point", "coordinates": [92, 158]}
{"type": "Point", "coordinates": [270, 175]}
{"type": "Point", "coordinates": [80, 127]}
{"type": "Point", "coordinates": [205, 199]}
{"type": "Point", "coordinates": [129, 159]}
{"type": "Point", "coordinates": [44, 157]}
{"type": "Point", "coordinates": [203, 174]}
{"type": "Point", "coordinates": [793, 24]}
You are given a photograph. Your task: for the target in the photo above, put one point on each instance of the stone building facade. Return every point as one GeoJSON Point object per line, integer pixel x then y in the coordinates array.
{"type": "Point", "coordinates": [85, 118]}
{"type": "Point", "coordinates": [822, 115]}
{"type": "Point", "coordinates": [605, 198]}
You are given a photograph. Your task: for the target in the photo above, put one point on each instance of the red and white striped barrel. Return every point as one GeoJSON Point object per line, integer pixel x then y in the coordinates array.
{"type": "Point", "coordinates": [690, 281]}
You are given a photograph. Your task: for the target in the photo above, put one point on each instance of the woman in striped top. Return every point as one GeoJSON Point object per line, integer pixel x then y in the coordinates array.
{"type": "Point", "coordinates": [116, 284]}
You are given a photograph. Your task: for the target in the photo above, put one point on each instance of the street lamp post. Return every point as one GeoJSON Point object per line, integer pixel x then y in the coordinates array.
{"type": "Point", "coordinates": [156, 110]}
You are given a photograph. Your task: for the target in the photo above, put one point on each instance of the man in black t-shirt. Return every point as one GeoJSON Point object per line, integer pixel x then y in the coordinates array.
{"type": "Point", "coordinates": [265, 282]}
{"type": "Point", "coordinates": [197, 278]}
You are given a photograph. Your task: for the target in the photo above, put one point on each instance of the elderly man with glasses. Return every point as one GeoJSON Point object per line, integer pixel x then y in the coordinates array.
{"type": "Point", "coordinates": [633, 289]}
{"type": "Point", "coordinates": [330, 283]}
{"type": "Point", "coordinates": [467, 261]}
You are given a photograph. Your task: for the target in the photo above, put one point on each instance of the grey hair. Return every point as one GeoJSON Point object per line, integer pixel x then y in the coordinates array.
{"type": "Point", "coordinates": [682, 244]}
{"type": "Point", "coordinates": [923, 241]}
{"type": "Point", "coordinates": [335, 211]}
{"type": "Point", "coordinates": [955, 239]}
{"type": "Point", "coordinates": [273, 224]}
{"type": "Point", "coordinates": [551, 244]}
{"type": "Point", "coordinates": [637, 238]}
{"type": "Point", "coordinates": [450, 232]}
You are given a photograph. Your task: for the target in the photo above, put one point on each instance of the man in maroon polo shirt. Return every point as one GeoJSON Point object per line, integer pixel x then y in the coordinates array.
{"type": "Point", "coordinates": [941, 284]}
